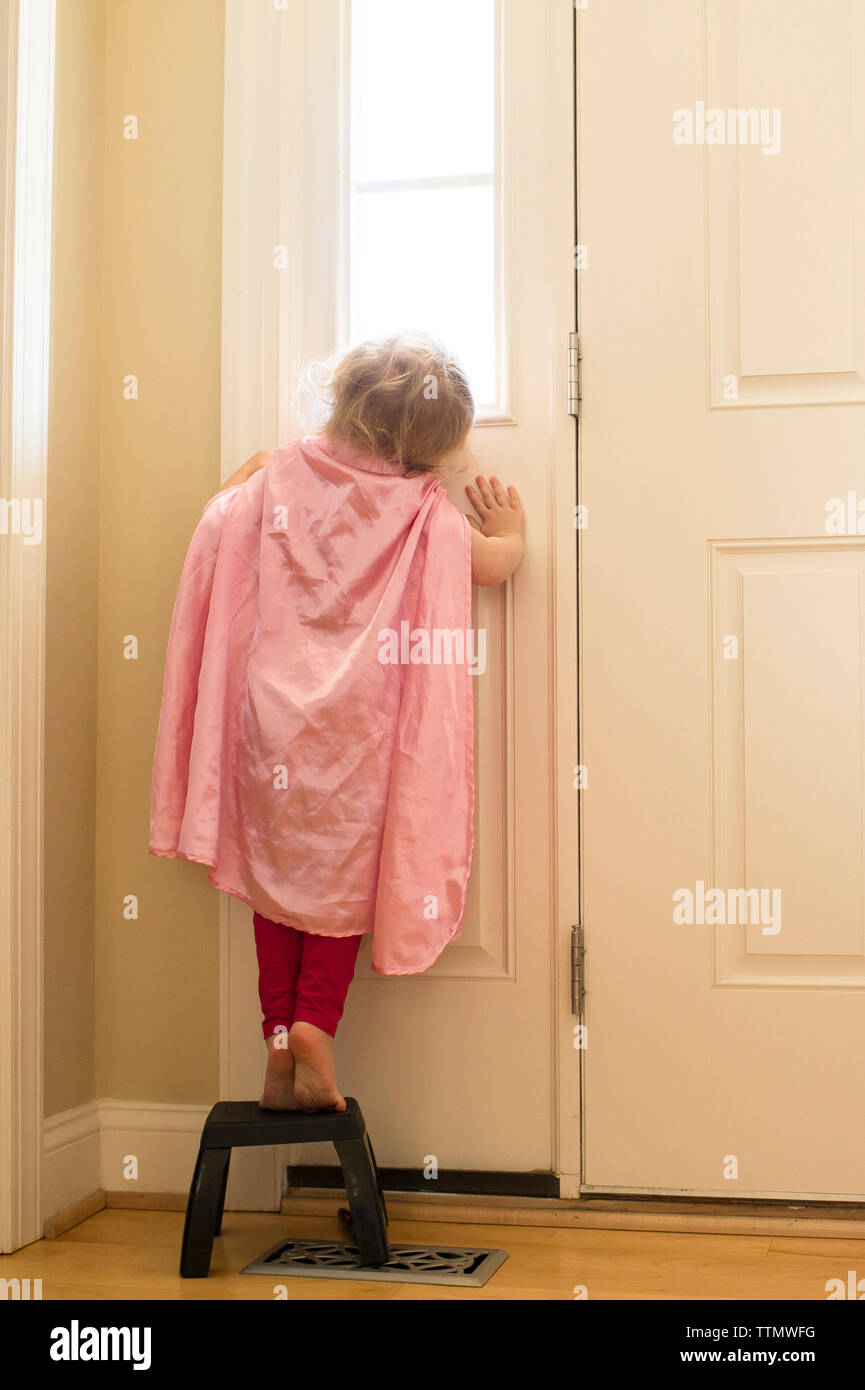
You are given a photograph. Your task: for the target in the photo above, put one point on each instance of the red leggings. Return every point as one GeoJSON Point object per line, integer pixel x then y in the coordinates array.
{"type": "Point", "coordinates": [301, 977]}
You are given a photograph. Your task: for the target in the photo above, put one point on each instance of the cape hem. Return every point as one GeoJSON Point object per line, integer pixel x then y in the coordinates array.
{"type": "Point", "coordinates": [244, 898]}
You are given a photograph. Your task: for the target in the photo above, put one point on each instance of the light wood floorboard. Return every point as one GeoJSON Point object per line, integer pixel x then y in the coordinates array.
{"type": "Point", "coordinates": [121, 1254]}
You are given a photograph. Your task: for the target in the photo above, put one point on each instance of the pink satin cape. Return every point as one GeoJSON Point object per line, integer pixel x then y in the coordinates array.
{"type": "Point", "coordinates": [327, 790]}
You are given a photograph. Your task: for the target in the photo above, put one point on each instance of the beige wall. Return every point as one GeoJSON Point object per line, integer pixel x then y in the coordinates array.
{"type": "Point", "coordinates": [154, 1010]}
{"type": "Point", "coordinates": [156, 978]}
{"type": "Point", "coordinates": [72, 533]}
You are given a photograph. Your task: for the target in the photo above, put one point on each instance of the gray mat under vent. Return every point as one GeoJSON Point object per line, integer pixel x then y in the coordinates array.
{"type": "Point", "coordinates": [409, 1264]}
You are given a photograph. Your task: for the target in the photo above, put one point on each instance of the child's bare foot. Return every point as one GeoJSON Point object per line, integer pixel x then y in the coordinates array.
{"type": "Point", "coordinates": [278, 1091]}
{"type": "Point", "coordinates": [315, 1085]}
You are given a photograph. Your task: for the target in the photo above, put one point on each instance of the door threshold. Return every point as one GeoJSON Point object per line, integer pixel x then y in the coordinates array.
{"type": "Point", "coordinates": [682, 1215]}
{"type": "Point", "coordinates": [829, 1200]}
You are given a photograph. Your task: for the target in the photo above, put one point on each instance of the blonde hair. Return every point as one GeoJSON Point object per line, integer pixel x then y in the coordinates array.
{"type": "Point", "coordinates": [404, 398]}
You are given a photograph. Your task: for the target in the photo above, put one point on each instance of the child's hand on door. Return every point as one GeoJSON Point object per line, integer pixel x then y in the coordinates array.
{"type": "Point", "coordinates": [498, 539]}
{"type": "Point", "coordinates": [501, 512]}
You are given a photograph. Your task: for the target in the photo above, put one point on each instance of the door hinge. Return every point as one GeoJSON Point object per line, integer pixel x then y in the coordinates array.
{"type": "Point", "coordinates": [575, 374]}
{"type": "Point", "coordinates": [578, 971]}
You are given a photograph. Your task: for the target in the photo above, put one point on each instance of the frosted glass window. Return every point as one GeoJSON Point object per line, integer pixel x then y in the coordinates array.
{"type": "Point", "coordinates": [424, 206]}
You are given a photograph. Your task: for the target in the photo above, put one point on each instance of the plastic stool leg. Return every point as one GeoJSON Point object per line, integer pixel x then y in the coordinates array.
{"type": "Point", "coordinates": [221, 1206]}
{"type": "Point", "coordinates": [364, 1199]}
{"type": "Point", "coordinates": [202, 1212]}
{"type": "Point", "coordinates": [377, 1180]}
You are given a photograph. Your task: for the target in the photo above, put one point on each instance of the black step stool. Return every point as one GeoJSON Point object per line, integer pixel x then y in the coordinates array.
{"type": "Point", "coordinates": [243, 1124]}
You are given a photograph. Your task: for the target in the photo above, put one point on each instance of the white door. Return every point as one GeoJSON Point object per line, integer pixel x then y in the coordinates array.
{"type": "Point", "coordinates": [723, 323]}
{"type": "Point", "coordinates": [413, 167]}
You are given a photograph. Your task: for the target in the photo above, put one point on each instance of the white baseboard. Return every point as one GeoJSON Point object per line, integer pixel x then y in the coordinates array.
{"type": "Point", "coordinates": [120, 1146]}
{"type": "Point", "coordinates": [71, 1161]}
{"type": "Point", "coordinates": [147, 1147]}
{"type": "Point", "coordinates": [137, 1146]}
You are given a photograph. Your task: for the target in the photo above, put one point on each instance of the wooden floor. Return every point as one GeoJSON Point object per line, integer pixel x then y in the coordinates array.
{"type": "Point", "coordinates": [119, 1254]}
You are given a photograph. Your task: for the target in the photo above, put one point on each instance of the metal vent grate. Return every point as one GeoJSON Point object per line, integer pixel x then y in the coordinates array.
{"type": "Point", "coordinates": [408, 1264]}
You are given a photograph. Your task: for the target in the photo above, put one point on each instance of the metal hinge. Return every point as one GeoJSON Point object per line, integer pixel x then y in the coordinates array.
{"type": "Point", "coordinates": [578, 971]}
{"type": "Point", "coordinates": [575, 374]}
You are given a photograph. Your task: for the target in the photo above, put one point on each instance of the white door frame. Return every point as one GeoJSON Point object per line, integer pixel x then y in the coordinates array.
{"type": "Point", "coordinates": [266, 150]}
{"type": "Point", "coordinates": [260, 331]}
{"type": "Point", "coordinates": [27, 29]}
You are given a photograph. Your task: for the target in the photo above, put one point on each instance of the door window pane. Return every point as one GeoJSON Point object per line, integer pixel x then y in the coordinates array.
{"type": "Point", "coordinates": [424, 206]}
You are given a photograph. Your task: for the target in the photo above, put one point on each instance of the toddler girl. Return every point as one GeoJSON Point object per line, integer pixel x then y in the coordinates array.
{"type": "Point", "coordinates": [316, 731]}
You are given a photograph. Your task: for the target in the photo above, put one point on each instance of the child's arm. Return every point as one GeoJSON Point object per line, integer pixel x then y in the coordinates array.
{"type": "Point", "coordinates": [246, 470]}
{"type": "Point", "coordinates": [498, 540]}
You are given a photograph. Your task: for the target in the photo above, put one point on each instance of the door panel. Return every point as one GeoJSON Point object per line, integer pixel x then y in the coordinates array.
{"type": "Point", "coordinates": [787, 232]}
{"type": "Point", "coordinates": [444, 1063]}
{"type": "Point", "coordinates": [722, 323]}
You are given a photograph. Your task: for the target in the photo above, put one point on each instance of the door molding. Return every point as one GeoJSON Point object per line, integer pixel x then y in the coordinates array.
{"type": "Point", "coordinates": [274, 138]}
{"type": "Point", "coordinates": [265, 151]}
{"type": "Point", "coordinates": [27, 30]}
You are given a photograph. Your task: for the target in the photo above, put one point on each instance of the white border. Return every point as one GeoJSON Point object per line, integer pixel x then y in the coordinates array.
{"type": "Point", "coordinates": [565, 753]}
{"type": "Point", "coordinates": [27, 41]}
{"type": "Point", "coordinates": [262, 336]}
